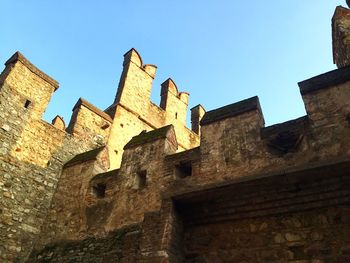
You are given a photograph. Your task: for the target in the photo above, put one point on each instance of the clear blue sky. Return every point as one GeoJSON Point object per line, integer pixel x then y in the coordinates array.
{"type": "Point", "coordinates": [219, 51]}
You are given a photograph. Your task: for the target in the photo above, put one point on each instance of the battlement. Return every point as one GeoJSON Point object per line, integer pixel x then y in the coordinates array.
{"type": "Point", "coordinates": [147, 137]}
{"type": "Point", "coordinates": [19, 57]}
{"type": "Point", "coordinates": [96, 138]}
{"type": "Point", "coordinates": [235, 147]}
{"type": "Point", "coordinates": [234, 144]}
{"type": "Point", "coordinates": [176, 192]}
{"type": "Point", "coordinates": [231, 110]}
{"type": "Point", "coordinates": [133, 111]}
{"type": "Point", "coordinates": [133, 56]}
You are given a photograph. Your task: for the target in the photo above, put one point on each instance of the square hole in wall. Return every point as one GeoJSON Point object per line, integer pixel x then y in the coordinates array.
{"type": "Point", "coordinates": [27, 104]}
{"type": "Point", "coordinates": [104, 126]}
{"type": "Point", "coordinates": [140, 180]}
{"type": "Point", "coordinates": [183, 169]}
{"type": "Point", "coordinates": [99, 190]}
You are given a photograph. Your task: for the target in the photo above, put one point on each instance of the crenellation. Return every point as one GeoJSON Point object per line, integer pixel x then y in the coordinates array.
{"type": "Point", "coordinates": [134, 184]}
{"type": "Point", "coordinates": [135, 83]}
{"type": "Point", "coordinates": [59, 123]}
{"type": "Point", "coordinates": [89, 123]}
{"type": "Point", "coordinates": [229, 135]}
{"type": "Point", "coordinates": [19, 57]}
{"type": "Point", "coordinates": [36, 89]}
{"type": "Point", "coordinates": [284, 138]}
{"type": "Point", "coordinates": [197, 114]}
{"type": "Point", "coordinates": [133, 111]}
{"type": "Point", "coordinates": [326, 97]}
{"type": "Point", "coordinates": [175, 103]}
{"type": "Point", "coordinates": [150, 69]}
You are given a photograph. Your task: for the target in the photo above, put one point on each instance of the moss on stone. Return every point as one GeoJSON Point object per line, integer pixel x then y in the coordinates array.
{"type": "Point", "coordinates": [145, 137]}
{"type": "Point", "coordinates": [231, 110]}
{"type": "Point", "coordinates": [106, 174]}
{"type": "Point", "coordinates": [83, 157]}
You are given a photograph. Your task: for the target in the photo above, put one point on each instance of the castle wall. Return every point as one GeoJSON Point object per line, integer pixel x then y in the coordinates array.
{"type": "Point", "coordinates": [234, 145]}
{"type": "Point", "coordinates": [247, 193]}
{"type": "Point", "coordinates": [141, 162]}
{"type": "Point", "coordinates": [134, 112]}
{"type": "Point", "coordinates": [126, 124]}
{"type": "Point", "coordinates": [289, 216]}
{"type": "Point", "coordinates": [117, 246]}
{"type": "Point", "coordinates": [32, 153]}
{"type": "Point", "coordinates": [320, 235]}
{"type": "Point", "coordinates": [239, 145]}
{"type": "Point", "coordinates": [36, 151]}
{"type": "Point", "coordinates": [66, 219]}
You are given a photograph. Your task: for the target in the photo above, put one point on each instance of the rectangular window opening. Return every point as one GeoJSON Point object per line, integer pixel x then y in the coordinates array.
{"type": "Point", "coordinates": [183, 170]}
{"type": "Point", "coordinates": [140, 180]}
{"type": "Point", "coordinates": [27, 104]}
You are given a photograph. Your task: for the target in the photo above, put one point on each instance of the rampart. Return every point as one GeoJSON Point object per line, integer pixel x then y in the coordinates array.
{"type": "Point", "coordinates": [133, 184]}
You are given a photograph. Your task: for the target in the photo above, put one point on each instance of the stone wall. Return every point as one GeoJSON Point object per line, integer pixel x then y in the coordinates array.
{"type": "Point", "coordinates": [235, 143]}
{"type": "Point", "coordinates": [117, 246]}
{"type": "Point", "coordinates": [133, 111]}
{"type": "Point", "coordinates": [291, 216]}
{"type": "Point", "coordinates": [247, 193]}
{"type": "Point", "coordinates": [66, 219]}
{"type": "Point", "coordinates": [32, 154]}
{"type": "Point", "coordinates": [313, 236]}
{"type": "Point", "coordinates": [142, 177]}
{"type": "Point", "coordinates": [235, 146]}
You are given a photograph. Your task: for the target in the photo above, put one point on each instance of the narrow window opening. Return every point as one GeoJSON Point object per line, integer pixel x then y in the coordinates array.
{"type": "Point", "coordinates": [99, 190]}
{"type": "Point", "coordinates": [183, 170]}
{"type": "Point", "coordinates": [175, 115]}
{"type": "Point", "coordinates": [27, 104]}
{"type": "Point", "coordinates": [140, 180]}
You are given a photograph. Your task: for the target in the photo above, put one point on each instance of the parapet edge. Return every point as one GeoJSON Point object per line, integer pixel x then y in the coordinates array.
{"type": "Point", "coordinates": [340, 11]}
{"type": "Point", "coordinates": [325, 80]}
{"type": "Point", "coordinates": [146, 137]}
{"type": "Point", "coordinates": [198, 105]}
{"type": "Point", "coordinates": [110, 173]}
{"type": "Point", "coordinates": [19, 57]}
{"type": "Point", "coordinates": [231, 110]}
{"type": "Point", "coordinates": [83, 157]}
{"type": "Point", "coordinates": [93, 108]}
{"type": "Point", "coordinates": [291, 125]}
